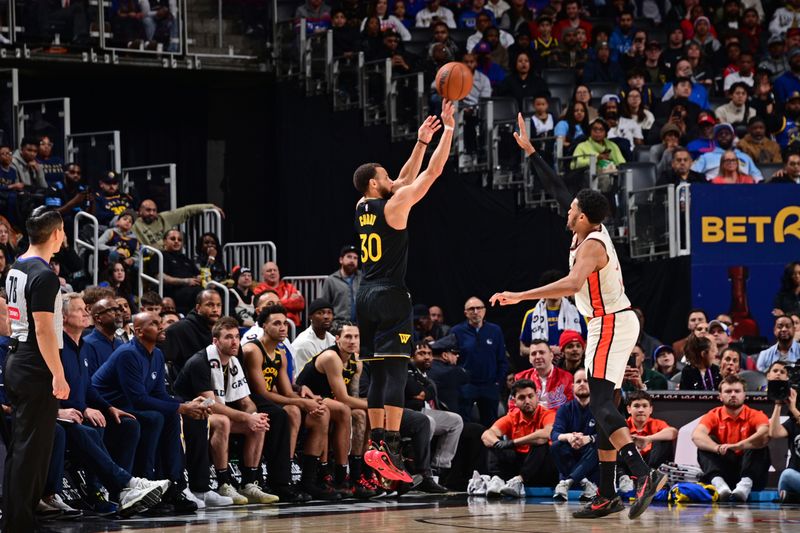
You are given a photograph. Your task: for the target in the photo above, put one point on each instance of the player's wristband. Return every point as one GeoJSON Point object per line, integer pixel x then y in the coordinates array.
{"type": "Point", "coordinates": [422, 142]}
{"type": "Point", "coordinates": [448, 128]}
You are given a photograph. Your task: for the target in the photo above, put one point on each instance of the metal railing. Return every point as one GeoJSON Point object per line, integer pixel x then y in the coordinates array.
{"type": "Point", "coordinates": [310, 287]}
{"type": "Point", "coordinates": [159, 279]}
{"type": "Point", "coordinates": [250, 254]}
{"type": "Point", "coordinates": [7, 28]}
{"type": "Point", "coordinates": [212, 42]}
{"type": "Point", "coordinates": [682, 221]}
{"type": "Point", "coordinates": [506, 172]}
{"type": "Point", "coordinates": [143, 181]}
{"type": "Point", "coordinates": [210, 221]}
{"type": "Point", "coordinates": [286, 56]}
{"type": "Point", "coordinates": [78, 244]}
{"type": "Point", "coordinates": [346, 81]}
{"type": "Point", "coordinates": [45, 116]}
{"type": "Point", "coordinates": [150, 40]}
{"type": "Point", "coordinates": [169, 40]}
{"type": "Point", "coordinates": [467, 145]}
{"type": "Point", "coordinates": [9, 78]}
{"type": "Point", "coordinates": [317, 54]}
{"type": "Point", "coordinates": [97, 152]}
{"type": "Point", "coordinates": [376, 87]}
{"type": "Point", "coordinates": [226, 301]}
{"type": "Point", "coordinates": [408, 105]}
{"type": "Point", "coordinates": [534, 194]}
{"type": "Point", "coordinates": [651, 231]}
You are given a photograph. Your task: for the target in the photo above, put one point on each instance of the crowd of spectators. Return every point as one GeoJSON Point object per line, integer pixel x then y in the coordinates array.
{"type": "Point", "coordinates": [710, 78]}
{"type": "Point", "coordinates": [716, 100]}
{"type": "Point", "coordinates": [244, 390]}
{"type": "Point", "coordinates": [142, 370]}
{"type": "Point", "coordinates": [145, 24]}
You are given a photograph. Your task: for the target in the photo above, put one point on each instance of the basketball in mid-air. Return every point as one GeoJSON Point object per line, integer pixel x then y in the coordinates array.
{"type": "Point", "coordinates": [454, 81]}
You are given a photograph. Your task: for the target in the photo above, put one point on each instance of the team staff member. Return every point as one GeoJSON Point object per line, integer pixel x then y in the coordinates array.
{"type": "Point", "coordinates": [34, 378]}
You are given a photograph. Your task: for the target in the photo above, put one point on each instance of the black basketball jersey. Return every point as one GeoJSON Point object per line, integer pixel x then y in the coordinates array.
{"type": "Point", "coordinates": [32, 287]}
{"type": "Point", "coordinates": [384, 250]}
{"type": "Point", "coordinates": [270, 368]}
{"type": "Point", "coordinates": [318, 382]}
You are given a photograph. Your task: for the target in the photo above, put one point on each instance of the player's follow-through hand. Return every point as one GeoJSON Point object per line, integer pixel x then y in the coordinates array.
{"type": "Point", "coordinates": [522, 138]}
{"type": "Point", "coordinates": [448, 112]}
{"type": "Point", "coordinates": [504, 298]}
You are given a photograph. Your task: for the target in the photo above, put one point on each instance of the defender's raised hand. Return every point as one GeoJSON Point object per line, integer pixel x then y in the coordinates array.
{"type": "Point", "coordinates": [522, 138]}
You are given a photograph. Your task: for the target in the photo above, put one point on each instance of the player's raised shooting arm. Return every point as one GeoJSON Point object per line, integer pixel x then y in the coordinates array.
{"type": "Point", "coordinates": [399, 205]}
{"type": "Point", "coordinates": [410, 170]}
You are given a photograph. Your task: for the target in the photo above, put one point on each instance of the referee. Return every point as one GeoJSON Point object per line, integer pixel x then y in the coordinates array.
{"type": "Point", "coordinates": [33, 368]}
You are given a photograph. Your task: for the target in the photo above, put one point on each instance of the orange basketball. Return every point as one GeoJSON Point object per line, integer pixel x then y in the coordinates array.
{"type": "Point", "coordinates": [454, 81]}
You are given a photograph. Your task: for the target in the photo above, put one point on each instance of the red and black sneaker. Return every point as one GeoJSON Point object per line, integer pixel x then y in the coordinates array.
{"type": "Point", "coordinates": [386, 463]}
{"type": "Point", "coordinates": [599, 507]}
{"type": "Point", "coordinates": [363, 489]}
{"type": "Point", "coordinates": [374, 483]}
{"type": "Point", "coordinates": [646, 489]}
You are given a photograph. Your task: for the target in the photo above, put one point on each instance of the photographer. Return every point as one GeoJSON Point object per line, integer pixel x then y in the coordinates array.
{"type": "Point", "coordinates": [783, 393]}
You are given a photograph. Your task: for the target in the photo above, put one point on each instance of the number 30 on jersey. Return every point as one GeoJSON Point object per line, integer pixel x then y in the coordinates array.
{"type": "Point", "coordinates": [371, 248]}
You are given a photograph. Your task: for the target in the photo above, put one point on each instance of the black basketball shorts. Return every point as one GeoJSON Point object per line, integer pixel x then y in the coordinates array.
{"type": "Point", "coordinates": [385, 322]}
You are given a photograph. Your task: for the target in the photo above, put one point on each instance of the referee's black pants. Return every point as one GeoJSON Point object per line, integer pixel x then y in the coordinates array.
{"type": "Point", "coordinates": [29, 388]}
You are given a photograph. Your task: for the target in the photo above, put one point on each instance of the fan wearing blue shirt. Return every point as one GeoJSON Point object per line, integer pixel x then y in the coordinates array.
{"type": "Point", "coordinates": [574, 447]}
{"type": "Point", "coordinates": [98, 345]}
{"type": "Point", "coordinates": [87, 427]}
{"type": "Point", "coordinates": [470, 15]}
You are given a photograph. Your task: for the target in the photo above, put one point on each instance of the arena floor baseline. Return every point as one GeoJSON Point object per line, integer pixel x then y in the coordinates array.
{"type": "Point", "coordinates": [422, 513]}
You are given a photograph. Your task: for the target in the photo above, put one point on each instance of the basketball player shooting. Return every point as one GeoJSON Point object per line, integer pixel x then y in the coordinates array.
{"type": "Point", "coordinates": [595, 279]}
{"type": "Point", "coordinates": [383, 304]}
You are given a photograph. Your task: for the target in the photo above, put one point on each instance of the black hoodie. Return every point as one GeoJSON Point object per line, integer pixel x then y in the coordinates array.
{"type": "Point", "coordinates": [184, 339]}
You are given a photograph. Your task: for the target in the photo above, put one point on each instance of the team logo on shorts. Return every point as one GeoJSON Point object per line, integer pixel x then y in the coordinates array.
{"type": "Point", "coordinates": [404, 337]}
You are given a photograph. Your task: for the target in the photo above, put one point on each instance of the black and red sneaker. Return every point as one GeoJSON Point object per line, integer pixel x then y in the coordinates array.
{"type": "Point", "coordinates": [363, 489]}
{"type": "Point", "coordinates": [646, 488]}
{"type": "Point", "coordinates": [374, 483]}
{"type": "Point", "coordinates": [386, 463]}
{"type": "Point", "coordinates": [599, 507]}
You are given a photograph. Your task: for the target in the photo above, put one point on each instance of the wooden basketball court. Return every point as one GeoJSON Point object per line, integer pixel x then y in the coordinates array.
{"type": "Point", "coordinates": [417, 513]}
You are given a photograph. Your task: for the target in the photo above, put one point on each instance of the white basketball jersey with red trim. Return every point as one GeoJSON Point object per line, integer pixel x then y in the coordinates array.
{"type": "Point", "coordinates": [603, 292]}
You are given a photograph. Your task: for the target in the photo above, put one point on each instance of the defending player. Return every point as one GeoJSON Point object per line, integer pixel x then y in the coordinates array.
{"type": "Point", "coordinates": [383, 305]}
{"type": "Point", "coordinates": [595, 279]}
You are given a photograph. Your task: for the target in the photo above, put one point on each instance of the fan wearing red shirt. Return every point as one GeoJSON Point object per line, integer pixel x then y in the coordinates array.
{"type": "Point", "coordinates": [519, 443]}
{"type": "Point", "coordinates": [732, 444]}
{"type": "Point", "coordinates": [572, 8]}
{"type": "Point", "coordinates": [653, 437]}
{"type": "Point", "coordinates": [553, 384]}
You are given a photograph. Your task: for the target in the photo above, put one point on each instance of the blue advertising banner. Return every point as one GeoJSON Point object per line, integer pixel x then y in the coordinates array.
{"type": "Point", "coordinates": [742, 238]}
